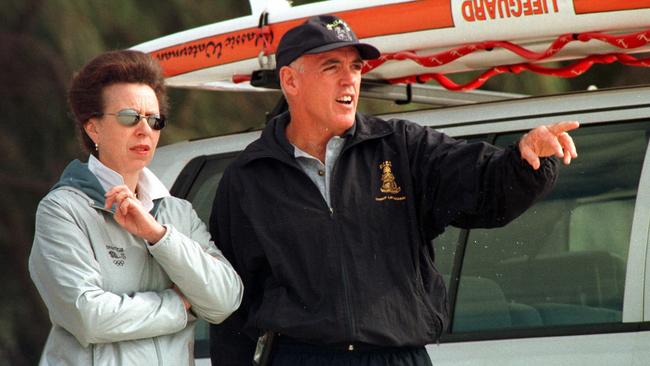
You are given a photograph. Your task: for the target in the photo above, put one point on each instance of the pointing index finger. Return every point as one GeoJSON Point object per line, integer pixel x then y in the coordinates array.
{"type": "Point", "coordinates": [563, 126]}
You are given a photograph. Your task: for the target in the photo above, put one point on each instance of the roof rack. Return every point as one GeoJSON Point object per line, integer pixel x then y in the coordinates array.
{"type": "Point", "coordinates": [429, 94]}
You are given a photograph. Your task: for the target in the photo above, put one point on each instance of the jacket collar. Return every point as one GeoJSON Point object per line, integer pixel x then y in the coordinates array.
{"type": "Point", "coordinates": [274, 143]}
{"type": "Point", "coordinates": [149, 187]}
{"type": "Point", "coordinates": [369, 128]}
{"type": "Point", "coordinates": [77, 175]}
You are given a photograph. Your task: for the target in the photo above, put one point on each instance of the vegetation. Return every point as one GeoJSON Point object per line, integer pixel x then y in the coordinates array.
{"type": "Point", "coordinates": [43, 43]}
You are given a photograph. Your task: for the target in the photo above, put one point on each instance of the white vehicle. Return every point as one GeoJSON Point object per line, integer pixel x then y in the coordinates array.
{"type": "Point", "coordinates": [568, 282]}
{"type": "Point", "coordinates": [565, 283]}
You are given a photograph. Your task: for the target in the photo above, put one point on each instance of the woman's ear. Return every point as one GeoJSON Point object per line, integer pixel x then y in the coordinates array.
{"type": "Point", "coordinates": [91, 129]}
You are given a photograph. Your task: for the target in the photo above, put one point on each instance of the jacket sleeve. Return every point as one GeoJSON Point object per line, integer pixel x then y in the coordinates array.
{"type": "Point", "coordinates": [200, 271]}
{"type": "Point", "coordinates": [229, 345]}
{"type": "Point", "coordinates": [471, 185]}
{"type": "Point", "coordinates": [68, 278]}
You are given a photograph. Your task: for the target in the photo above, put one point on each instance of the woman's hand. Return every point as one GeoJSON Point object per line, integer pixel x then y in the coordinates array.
{"type": "Point", "coordinates": [186, 303]}
{"type": "Point", "coordinates": [130, 214]}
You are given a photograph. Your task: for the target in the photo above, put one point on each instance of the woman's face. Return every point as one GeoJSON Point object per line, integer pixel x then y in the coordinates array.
{"type": "Point", "coordinates": [125, 149]}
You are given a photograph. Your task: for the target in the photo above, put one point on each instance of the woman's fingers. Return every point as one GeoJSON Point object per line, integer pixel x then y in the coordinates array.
{"type": "Point", "coordinates": [124, 205]}
{"type": "Point", "coordinates": [117, 195]}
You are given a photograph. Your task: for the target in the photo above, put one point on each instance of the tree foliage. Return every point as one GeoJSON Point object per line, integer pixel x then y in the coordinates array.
{"type": "Point", "coordinates": [43, 43]}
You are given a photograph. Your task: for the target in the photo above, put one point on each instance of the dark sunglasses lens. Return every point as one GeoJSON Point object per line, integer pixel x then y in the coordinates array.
{"type": "Point", "coordinates": [127, 117]}
{"type": "Point", "coordinates": [156, 122]}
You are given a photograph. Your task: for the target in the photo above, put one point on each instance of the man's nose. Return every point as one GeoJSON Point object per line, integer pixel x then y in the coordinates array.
{"type": "Point", "coordinates": [349, 76]}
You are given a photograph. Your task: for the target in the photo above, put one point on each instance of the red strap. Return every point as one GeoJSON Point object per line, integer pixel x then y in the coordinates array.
{"type": "Point", "coordinates": [626, 41]}
{"type": "Point", "coordinates": [573, 70]}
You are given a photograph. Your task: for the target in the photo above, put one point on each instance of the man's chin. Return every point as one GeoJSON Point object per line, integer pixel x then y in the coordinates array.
{"type": "Point", "coordinates": [346, 121]}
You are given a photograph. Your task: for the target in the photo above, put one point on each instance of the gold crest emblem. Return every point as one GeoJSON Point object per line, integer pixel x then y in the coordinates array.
{"type": "Point", "coordinates": [388, 183]}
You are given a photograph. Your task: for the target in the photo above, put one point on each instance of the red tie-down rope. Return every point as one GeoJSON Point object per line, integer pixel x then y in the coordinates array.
{"type": "Point", "coordinates": [573, 70]}
{"type": "Point", "coordinates": [633, 40]}
{"type": "Point", "coordinates": [627, 41]}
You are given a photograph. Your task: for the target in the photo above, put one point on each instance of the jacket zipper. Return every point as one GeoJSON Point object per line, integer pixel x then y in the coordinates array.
{"type": "Point", "coordinates": [158, 355]}
{"type": "Point", "coordinates": [346, 283]}
{"type": "Point", "coordinates": [149, 277]}
{"type": "Point", "coordinates": [346, 286]}
{"type": "Point", "coordinates": [351, 324]}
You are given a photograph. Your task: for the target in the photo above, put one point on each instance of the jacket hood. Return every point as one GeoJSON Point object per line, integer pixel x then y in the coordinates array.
{"type": "Point", "coordinates": [77, 175]}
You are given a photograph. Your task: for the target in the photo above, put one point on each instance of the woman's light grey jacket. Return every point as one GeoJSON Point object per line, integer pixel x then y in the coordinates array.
{"type": "Point", "coordinates": [109, 292]}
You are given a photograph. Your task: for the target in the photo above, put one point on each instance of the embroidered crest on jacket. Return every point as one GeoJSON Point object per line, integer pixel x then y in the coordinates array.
{"type": "Point", "coordinates": [389, 183]}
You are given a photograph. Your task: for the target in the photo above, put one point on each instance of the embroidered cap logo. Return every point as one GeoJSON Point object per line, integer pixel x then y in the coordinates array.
{"type": "Point", "coordinates": [342, 30]}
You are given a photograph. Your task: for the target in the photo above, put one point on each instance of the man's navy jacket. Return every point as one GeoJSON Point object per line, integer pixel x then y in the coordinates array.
{"type": "Point", "coordinates": [362, 271]}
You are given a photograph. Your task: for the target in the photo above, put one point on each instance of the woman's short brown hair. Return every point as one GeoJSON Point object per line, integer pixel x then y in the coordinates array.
{"type": "Point", "coordinates": [124, 66]}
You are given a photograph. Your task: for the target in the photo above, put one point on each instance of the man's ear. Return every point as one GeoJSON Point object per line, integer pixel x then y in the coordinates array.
{"type": "Point", "coordinates": [288, 81]}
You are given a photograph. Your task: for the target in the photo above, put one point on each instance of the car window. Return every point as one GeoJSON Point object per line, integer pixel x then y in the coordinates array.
{"type": "Point", "coordinates": [205, 186]}
{"type": "Point", "coordinates": [563, 261]}
{"type": "Point", "coordinates": [445, 246]}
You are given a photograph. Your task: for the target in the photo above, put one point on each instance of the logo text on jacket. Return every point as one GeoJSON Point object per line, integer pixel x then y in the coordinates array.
{"type": "Point", "coordinates": [117, 255]}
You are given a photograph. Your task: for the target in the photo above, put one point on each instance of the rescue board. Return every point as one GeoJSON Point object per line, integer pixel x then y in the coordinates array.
{"type": "Point", "coordinates": [473, 34]}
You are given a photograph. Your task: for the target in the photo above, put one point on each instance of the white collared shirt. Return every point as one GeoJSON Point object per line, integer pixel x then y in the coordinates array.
{"type": "Point", "coordinates": [149, 186]}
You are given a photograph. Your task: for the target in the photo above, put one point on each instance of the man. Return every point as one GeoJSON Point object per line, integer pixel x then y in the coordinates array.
{"type": "Point", "coordinates": [327, 217]}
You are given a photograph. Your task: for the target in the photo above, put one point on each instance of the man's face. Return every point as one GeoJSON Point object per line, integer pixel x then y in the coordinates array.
{"type": "Point", "coordinates": [327, 88]}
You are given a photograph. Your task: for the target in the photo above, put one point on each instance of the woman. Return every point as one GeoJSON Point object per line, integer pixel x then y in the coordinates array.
{"type": "Point", "coordinates": [123, 267]}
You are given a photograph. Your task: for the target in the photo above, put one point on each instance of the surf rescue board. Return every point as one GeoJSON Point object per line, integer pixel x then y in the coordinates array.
{"type": "Point", "coordinates": [221, 55]}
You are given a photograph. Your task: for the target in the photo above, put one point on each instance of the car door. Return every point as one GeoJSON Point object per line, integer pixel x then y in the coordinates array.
{"type": "Point", "coordinates": [564, 283]}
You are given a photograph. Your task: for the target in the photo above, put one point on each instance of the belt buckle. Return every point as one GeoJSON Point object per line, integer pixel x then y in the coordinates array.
{"type": "Point", "coordinates": [350, 347]}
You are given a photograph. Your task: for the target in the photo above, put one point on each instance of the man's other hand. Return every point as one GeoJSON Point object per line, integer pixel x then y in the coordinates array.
{"type": "Point", "coordinates": [548, 140]}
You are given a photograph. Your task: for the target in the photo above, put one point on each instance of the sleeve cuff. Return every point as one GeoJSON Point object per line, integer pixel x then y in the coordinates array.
{"type": "Point", "coordinates": [163, 241]}
{"type": "Point", "coordinates": [550, 161]}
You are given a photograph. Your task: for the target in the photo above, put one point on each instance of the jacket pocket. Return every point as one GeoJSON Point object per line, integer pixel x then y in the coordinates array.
{"type": "Point", "coordinates": [433, 292]}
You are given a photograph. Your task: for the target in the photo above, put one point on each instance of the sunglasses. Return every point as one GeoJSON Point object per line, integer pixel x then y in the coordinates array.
{"type": "Point", "coordinates": [130, 117]}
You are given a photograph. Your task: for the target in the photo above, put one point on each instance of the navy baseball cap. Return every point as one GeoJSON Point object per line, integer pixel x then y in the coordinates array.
{"type": "Point", "coordinates": [319, 34]}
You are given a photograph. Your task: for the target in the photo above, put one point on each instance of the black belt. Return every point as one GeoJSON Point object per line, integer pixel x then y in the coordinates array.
{"type": "Point", "coordinates": [300, 345]}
